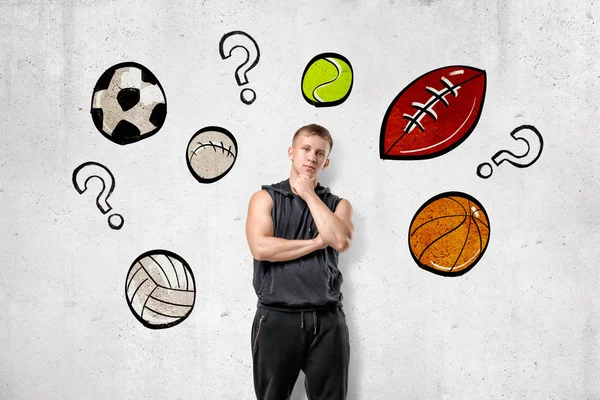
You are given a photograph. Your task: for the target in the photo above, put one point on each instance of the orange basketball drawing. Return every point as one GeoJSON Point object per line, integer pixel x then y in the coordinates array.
{"type": "Point", "coordinates": [449, 234]}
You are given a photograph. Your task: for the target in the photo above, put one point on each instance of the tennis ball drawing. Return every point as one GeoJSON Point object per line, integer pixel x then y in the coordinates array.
{"type": "Point", "coordinates": [327, 80]}
{"type": "Point", "coordinates": [449, 234]}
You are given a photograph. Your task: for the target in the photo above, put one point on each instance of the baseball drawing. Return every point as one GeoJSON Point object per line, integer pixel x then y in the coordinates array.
{"type": "Point", "coordinates": [211, 153]}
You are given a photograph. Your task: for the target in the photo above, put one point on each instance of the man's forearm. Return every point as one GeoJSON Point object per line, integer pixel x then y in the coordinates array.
{"type": "Point", "coordinates": [277, 249]}
{"type": "Point", "coordinates": [332, 229]}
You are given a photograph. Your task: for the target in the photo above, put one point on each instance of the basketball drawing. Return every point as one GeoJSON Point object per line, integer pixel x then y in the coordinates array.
{"type": "Point", "coordinates": [449, 234]}
{"type": "Point", "coordinates": [160, 289]}
{"type": "Point", "coordinates": [211, 153]}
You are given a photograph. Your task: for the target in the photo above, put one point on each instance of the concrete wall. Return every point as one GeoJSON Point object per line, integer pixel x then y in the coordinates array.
{"type": "Point", "coordinates": [523, 323]}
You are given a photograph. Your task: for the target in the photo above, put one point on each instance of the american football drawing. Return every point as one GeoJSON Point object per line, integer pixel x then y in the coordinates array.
{"type": "Point", "coordinates": [433, 114]}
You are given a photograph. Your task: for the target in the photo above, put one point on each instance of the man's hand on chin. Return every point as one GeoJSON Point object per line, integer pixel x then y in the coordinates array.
{"type": "Point", "coordinates": [304, 185]}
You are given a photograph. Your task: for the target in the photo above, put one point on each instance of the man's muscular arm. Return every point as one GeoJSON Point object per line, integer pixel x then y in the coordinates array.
{"type": "Point", "coordinates": [337, 228]}
{"type": "Point", "coordinates": [260, 234]}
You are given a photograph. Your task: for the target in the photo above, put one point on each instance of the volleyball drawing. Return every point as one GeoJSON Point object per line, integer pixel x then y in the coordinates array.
{"type": "Point", "coordinates": [160, 289]}
{"type": "Point", "coordinates": [128, 103]}
{"type": "Point", "coordinates": [433, 114]}
{"type": "Point", "coordinates": [449, 234]}
{"type": "Point", "coordinates": [211, 153]}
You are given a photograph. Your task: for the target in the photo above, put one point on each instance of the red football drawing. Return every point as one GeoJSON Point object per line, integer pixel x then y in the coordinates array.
{"type": "Point", "coordinates": [433, 114]}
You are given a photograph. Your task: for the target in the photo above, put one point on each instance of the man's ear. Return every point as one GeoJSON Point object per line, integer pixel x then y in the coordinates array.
{"type": "Point", "coordinates": [290, 152]}
{"type": "Point", "coordinates": [326, 164]}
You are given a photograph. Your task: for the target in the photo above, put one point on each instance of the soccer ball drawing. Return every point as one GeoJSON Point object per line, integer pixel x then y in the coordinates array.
{"type": "Point", "coordinates": [160, 289]}
{"type": "Point", "coordinates": [211, 153]}
{"type": "Point", "coordinates": [128, 103]}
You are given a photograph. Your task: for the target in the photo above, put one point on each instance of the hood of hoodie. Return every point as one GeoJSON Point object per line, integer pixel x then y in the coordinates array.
{"type": "Point", "coordinates": [285, 188]}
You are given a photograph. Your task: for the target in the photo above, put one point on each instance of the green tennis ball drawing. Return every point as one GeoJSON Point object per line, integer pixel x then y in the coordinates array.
{"type": "Point", "coordinates": [327, 80]}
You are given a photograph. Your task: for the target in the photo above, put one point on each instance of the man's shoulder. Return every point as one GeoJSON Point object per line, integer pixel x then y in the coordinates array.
{"type": "Point", "coordinates": [261, 193]}
{"type": "Point", "coordinates": [326, 191]}
{"type": "Point", "coordinates": [260, 198]}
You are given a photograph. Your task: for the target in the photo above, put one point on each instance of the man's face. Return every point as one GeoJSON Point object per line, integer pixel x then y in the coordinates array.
{"type": "Point", "coordinates": [309, 154]}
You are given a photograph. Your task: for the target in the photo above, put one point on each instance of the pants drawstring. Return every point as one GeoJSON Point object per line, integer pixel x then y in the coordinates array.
{"type": "Point", "coordinates": [314, 313]}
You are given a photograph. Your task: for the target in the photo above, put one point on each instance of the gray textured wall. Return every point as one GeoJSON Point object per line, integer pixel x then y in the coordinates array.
{"type": "Point", "coordinates": [523, 323]}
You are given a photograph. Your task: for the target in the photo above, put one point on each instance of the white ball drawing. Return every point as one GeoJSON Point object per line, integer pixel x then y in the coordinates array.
{"type": "Point", "coordinates": [160, 289]}
{"type": "Point", "coordinates": [128, 103]}
{"type": "Point", "coordinates": [211, 153]}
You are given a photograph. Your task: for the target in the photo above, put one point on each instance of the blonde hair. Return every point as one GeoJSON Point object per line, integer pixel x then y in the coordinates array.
{"type": "Point", "coordinates": [315, 129]}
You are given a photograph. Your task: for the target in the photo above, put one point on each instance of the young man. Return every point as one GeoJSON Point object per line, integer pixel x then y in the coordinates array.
{"type": "Point", "coordinates": [296, 229]}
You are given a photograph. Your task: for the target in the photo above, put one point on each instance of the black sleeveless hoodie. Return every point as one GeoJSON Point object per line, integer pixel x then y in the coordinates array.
{"type": "Point", "coordinates": [306, 283]}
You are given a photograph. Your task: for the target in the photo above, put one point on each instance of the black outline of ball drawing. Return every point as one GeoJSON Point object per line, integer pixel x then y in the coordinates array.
{"type": "Point", "coordinates": [467, 219]}
{"type": "Point", "coordinates": [324, 57]}
{"type": "Point", "coordinates": [212, 146]}
{"type": "Point", "coordinates": [160, 299]}
{"type": "Point", "coordinates": [127, 99]}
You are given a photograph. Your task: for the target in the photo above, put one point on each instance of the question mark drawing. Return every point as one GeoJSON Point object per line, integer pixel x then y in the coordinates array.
{"type": "Point", "coordinates": [90, 170]}
{"type": "Point", "coordinates": [241, 40]}
{"type": "Point", "coordinates": [535, 144]}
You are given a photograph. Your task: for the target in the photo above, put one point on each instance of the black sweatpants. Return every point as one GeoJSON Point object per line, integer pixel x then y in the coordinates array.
{"type": "Point", "coordinates": [316, 342]}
